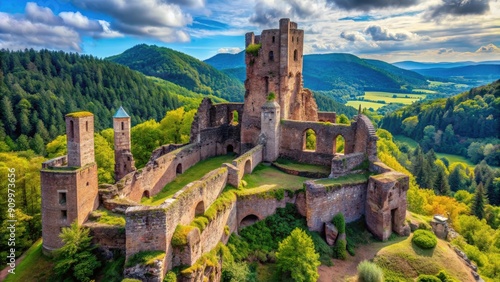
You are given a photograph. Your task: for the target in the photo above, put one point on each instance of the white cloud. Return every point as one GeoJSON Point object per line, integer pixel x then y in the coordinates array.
{"type": "Point", "coordinates": [379, 33]}
{"type": "Point", "coordinates": [79, 21]}
{"type": "Point", "coordinates": [230, 50]}
{"type": "Point", "coordinates": [37, 14]}
{"type": "Point", "coordinates": [490, 48]}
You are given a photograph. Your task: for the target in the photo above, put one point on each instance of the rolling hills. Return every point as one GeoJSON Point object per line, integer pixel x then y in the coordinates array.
{"type": "Point", "coordinates": [333, 71]}
{"type": "Point", "coordinates": [182, 70]}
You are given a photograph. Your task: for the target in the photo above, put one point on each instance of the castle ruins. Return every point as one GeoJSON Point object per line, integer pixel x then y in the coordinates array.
{"type": "Point", "coordinates": [276, 113]}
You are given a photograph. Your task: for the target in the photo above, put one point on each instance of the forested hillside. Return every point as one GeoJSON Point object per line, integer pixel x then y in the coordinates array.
{"type": "Point", "coordinates": [467, 124]}
{"type": "Point", "coordinates": [181, 69]}
{"type": "Point", "coordinates": [37, 88]}
{"type": "Point", "coordinates": [337, 72]}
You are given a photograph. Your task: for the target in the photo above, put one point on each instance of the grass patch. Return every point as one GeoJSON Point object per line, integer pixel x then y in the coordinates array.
{"type": "Point", "coordinates": [265, 178]}
{"type": "Point", "coordinates": [390, 97]}
{"type": "Point", "coordinates": [104, 216]}
{"type": "Point", "coordinates": [357, 178]}
{"type": "Point", "coordinates": [145, 258]}
{"type": "Point", "coordinates": [289, 164]}
{"type": "Point", "coordinates": [34, 267]}
{"type": "Point", "coordinates": [180, 234]}
{"type": "Point", "coordinates": [455, 159]}
{"type": "Point", "coordinates": [192, 174]}
{"type": "Point", "coordinates": [403, 261]}
{"type": "Point", "coordinates": [406, 140]}
{"type": "Point", "coordinates": [253, 49]}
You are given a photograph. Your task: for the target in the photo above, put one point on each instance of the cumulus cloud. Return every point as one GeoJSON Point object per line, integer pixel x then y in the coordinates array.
{"type": "Point", "coordinates": [366, 5]}
{"type": "Point", "coordinates": [39, 27]}
{"type": "Point", "coordinates": [268, 12]}
{"type": "Point", "coordinates": [442, 51]}
{"type": "Point", "coordinates": [490, 48]}
{"type": "Point", "coordinates": [352, 36]}
{"type": "Point", "coordinates": [164, 20]}
{"type": "Point", "coordinates": [458, 8]}
{"type": "Point", "coordinates": [230, 50]}
{"type": "Point", "coordinates": [379, 33]}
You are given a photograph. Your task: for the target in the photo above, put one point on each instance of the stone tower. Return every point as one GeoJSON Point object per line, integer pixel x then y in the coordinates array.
{"type": "Point", "coordinates": [275, 66]}
{"type": "Point", "coordinates": [124, 161]}
{"type": "Point", "coordinates": [69, 183]}
{"type": "Point", "coordinates": [270, 123]}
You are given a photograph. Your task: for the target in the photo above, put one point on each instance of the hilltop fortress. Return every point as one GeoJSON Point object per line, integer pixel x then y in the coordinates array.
{"type": "Point", "coordinates": [274, 118]}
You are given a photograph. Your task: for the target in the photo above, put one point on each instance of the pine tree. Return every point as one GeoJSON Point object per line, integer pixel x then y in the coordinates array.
{"type": "Point", "coordinates": [479, 201]}
{"type": "Point", "coordinates": [441, 185]}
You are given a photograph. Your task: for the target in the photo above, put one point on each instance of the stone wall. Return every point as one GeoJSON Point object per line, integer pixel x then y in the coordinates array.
{"type": "Point", "coordinates": [147, 228]}
{"type": "Point", "coordinates": [106, 236]}
{"type": "Point", "coordinates": [386, 204]}
{"type": "Point", "coordinates": [327, 117]}
{"type": "Point", "coordinates": [344, 164]}
{"type": "Point", "coordinates": [323, 202]}
{"type": "Point", "coordinates": [260, 205]}
{"type": "Point", "coordinates": [366, 138]}
{"type": "Point", "coordinates": [248, 161]}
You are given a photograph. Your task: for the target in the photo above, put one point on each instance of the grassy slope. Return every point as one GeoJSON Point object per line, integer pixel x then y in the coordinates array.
{"type": "Point", "coordinates": [193, 173]}
{"type": "Point", "coordinates": [34, 267]}
{"type": "Point", "coordinates": [403, 261]}
{"type": "Point", "coordinates": [302, 166]}
{"type": "Point", "coordinates": [364, 104]}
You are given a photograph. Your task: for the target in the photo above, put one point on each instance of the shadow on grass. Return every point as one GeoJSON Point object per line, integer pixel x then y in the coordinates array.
{"type": "Point", "coordinates": [422, 252]}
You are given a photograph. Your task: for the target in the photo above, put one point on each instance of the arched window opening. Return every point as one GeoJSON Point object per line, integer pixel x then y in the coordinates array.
{"type": "Point", "coordinates": [295, 55]}
{"type": "Point", "coordinates": [339, 145]}
{"type": "Point", "coordinates": [271, 56]}
{"type": "Point", "coordinates": [178, 169]}
{"type": "Point", "coordinates": [248, 167]}
{"type": "Point", "coordinates": [309, 142]}
{"type": "Point", "coordinates": [234, 117]}
{"type": "Point", "coordinates": [200, 209]}
{"type": "Point", "coordinates": [248, 220]}
{"type": "Point", "coordinates": [229, 149]}
{"type": "Point", "coordinates": [145, 194]}
{"type": "Point", "coordinates": [71, 129]}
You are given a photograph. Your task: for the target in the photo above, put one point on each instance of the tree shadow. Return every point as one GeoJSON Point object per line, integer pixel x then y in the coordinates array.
{"type": "Point", "coordinates": [423, 252]}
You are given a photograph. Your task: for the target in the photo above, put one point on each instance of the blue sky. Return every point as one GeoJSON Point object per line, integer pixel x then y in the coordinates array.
{"type": "Point", "coordinates": [390, 30]}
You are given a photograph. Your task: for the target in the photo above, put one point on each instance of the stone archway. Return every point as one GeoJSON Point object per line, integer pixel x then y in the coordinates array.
{"type": "Point", "coordinates": [145, 194]}
{"type": "Point", "coordinates": [248, 167]}
{"type": "Point", "coordinates": [339, 144]}
{"type": "Point", "coordinates": [229, 149]}
{"type": "Point", "coordinates": [309, 140]}
{"type": "Point", "coordinates": [248, 220]}
{"type": "Point", "coordinates": [178, 169]}
{"type": "Point", "coordinates": [200, 209]}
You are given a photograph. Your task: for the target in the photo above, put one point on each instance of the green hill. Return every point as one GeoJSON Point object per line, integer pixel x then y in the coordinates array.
{"type": "Point", "coordinates": [336, 71]}
{"type": "Point", "coordinates": [182, 70]}
{"type": "Point", "coordinates": [456, 125]}
{"type": "Point", "coordinates": [37, 88]}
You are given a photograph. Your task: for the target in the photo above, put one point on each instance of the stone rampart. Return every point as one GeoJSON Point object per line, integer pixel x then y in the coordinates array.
{"type": "Point", "coordinates": [327, 117]}
{"type": "Point", "coordinates": [323, 202]}
{"type": "Point", "coordinates": [248, 161]}
{"type": "Point", "coordinates": [260, 205]}
{"type": "Point", "coordinates": [345, 164]}
{"type": "Point", "coordinates": [107, 236]}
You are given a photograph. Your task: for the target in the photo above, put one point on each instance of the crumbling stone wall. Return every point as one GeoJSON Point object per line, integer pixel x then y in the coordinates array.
{"type": "Point", "coordinates": [327, 117]}
{"type": "Point", "coordinates": [386, 204]}
{"type": "Point", "coordinates": [345, 164]}
{"type": "Point", "coordinates": [261, 205]}
{"type": "Point", "coordinates": [247, 162]}
{"type": "Point", "coordinates": [366, 139]}
{"type": "Point", "coordinates": [107, 236]}
{"type": "Point", "coordinates": [323, 202]}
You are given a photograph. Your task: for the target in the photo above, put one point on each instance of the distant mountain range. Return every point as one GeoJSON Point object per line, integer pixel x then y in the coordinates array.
{"type": "Point", "coordinates": [483, 71]}
{"type": "Point", "coordinates": [182, 70]}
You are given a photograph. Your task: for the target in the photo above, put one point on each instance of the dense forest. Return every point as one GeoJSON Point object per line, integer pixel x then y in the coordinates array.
{"type": "Point", "coordinates": [467, 124]}
{"type": "Point", "coordinates": [37, 88]}
{"type": "Point", "coordinates": [182, 70]}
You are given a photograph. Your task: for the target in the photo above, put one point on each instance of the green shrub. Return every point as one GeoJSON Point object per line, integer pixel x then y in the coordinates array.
{"type": "Point", "coordinates": [145, 258]}
{"type": "Point", "coordinates": [339, 222]}
{"type": "Point", "coordinates": [170, 277]}
{"type": "Point", "coordinates": [339, 250]}
{"type": "Point", "coordinates": [444, 277]}
{"type": "Point", "coordinates": [131, 280]}
{"type": "Point", "coordinates": [427, 278]}
{"type": "Point", "coordinates": [424, 239]}
{"type": "Point", "coordinates": [322, 248]}
{"type": "Point", "coordinates": [236, 272]}
{"type": "Point", "coordinates": [370, 272]}
{"type": "Point", "coordinates": [253, 49]}
{"type": "Point", "coordinates": [424, 226]}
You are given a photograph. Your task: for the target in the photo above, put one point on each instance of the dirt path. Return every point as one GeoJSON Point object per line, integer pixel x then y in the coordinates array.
{"type": "Point", "coordinates": [4, 272]}
{"type": "Point", "coordinates": [342, 270]}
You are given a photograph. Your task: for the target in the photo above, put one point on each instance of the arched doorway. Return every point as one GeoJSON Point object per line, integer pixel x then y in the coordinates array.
{"type": "Point", "coordinates": [248, 167]}
{"type": "Point", "coordinates": [248, 220]}
{"type": "Point", "coordinates": [229, 149]}
{"type": "Point", "coordinates": [145, 194]}
{"type": "Point", "coordinates": [200, 209]}
{"type": "Point", "coordinates": [309, 140]}
{"type": "Point", "coordinates": [178, 169]}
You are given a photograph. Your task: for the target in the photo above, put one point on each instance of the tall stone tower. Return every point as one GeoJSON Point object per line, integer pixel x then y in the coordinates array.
{"type": "Point", "coordinates": [274, 64]}
{"type": "Point", "coordinates": [69, 183]}
{"type": "Point", "coordinates": [124, 160]}
{"type": "Point", "coordinates": [270, 123]}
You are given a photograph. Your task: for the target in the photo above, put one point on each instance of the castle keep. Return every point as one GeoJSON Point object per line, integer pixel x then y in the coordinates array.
{"type": "Point", "coordinates": [270, 128]}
